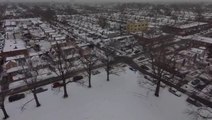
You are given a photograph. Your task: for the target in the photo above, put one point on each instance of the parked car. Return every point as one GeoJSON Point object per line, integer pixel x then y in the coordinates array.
{"type": "Point", "coordinates": [144, 67]}
{"type": "Point", "coordinates": [40, 90]}
{"type": "Point", "coordinates": [57, 84]}
{"type": "Point", "coordinates": [193, 102]}
{"type": "Point", "coordinates": [77, 78]}
{"type": "Point", "coordinates": [175, 92]}
{"type": "Point", "coordinates": [196, 82]}
{"type": "Point", "coordinates": [137, 51]}
{"type": "Point", "coordinates": [95, 72]}
{"type": "Point", "coordinates": [16, 97]}
{"type": "Point", "coordinates": [167, 77]}
{"type": "Point", "coordinates": [132, 69]}
{"type": "Point", "coordinates": [123, 65]}
{"type": "Point", "coordinates": [141, 58]}
{"type": "Point", "coordinates": [148, 77]}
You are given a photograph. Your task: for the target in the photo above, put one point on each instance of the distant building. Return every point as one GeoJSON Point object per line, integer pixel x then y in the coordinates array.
{"type": "Point", "coordinates": [193, 53]}
{"type": "Point", "coordinates": [137, 26]}
{"type": "Point", "coordinates": [10, 64]}
{"type": "Point", "coordinates": [201, 40]}
{"type": "Point", "coordinates": [13, 47]}
{"type": "Point", "coordinates": [9, 23]}
{"type": "Point", "coordinates": [206, 93]}
{"type": "Point", "coordinates": [186, 29]}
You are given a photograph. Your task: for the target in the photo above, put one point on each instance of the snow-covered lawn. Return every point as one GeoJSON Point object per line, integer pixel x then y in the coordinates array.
{"type": "Point", "coordinates": [120, 99]}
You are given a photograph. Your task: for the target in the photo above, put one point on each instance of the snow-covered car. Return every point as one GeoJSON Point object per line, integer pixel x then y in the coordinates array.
{"type": "Point", "coordinates": [77, 78]}
{"type": "Point", "coordinates": [141, 58]}
{"type": "Point", "coordinates": [196, 82]}
{"type": "Point", "coordinates": [193, 102]}
{"type": "Point", "coordinates": [144, 67]}
{"type": "Point", "coordinates": [137, 51]}
{"type": "Point", "coordinates": [148, 77]}
{"type": "Point", "coordinates": [175, 91]}
{"type": "Point", "coordinates": [95, 72]}
{"type": "Point", "coordinates": [123, 65]}
{"type": "Point", "coordinates": [132, 69]}
{"type": "Point", "coordinates": [16, 97]}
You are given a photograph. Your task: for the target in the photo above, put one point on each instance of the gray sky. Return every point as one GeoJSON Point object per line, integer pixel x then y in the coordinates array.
{"type": "Point", "coordinates": [113, 0]}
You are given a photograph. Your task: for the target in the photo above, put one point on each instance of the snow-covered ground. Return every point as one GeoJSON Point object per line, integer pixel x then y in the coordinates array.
{"type": "Point", "coordinates": [120, 99]}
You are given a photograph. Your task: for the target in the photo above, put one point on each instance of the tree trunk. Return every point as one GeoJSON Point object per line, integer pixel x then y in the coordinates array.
{"type": "Point", "coordinates": [157, 90]}
{"type": "Point", "coordinates": [36, 99]}
{"type": "Point", "coordinates": [108, 76]}
{"type": "Point", "coordinates": [89, 77]}
{"type": "Point", "coordinates": [89, 80]}
{"type": "Point", "coordinates": [108, 72]}
{"type": "Point", "coordinates": [4, 111]}
{"type": "Point", "coordinates": [65, 89]}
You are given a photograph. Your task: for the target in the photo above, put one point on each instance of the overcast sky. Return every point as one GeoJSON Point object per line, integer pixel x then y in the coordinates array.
{"type": "Point", "coordinates": [114, 0]}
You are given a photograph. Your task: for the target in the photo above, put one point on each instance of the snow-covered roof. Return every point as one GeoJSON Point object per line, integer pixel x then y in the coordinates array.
{"type": "Point", "coordinates": [35, 53]}
{"type": "Point", "coordinates": [13, 61]}
{"type": "Point", "coordinates": [68, 47]}
{"type": "Point", "coordinates": [15, 57]}
{"type": "Point", "coordinates": [10, 28]}
{"type": "Point", "coordinates": [14, 69]}
{"type": "Point", "coordinates": [193, 24]}
{"type": "Point", "coordinates": [23, 19]}
{"type": "Point", "coordinates": [43, 25]}
{"type": "Point", "coordinates": [203, 39]}
{"type": "Point", "coordinates": [9, 23]}
{"type": "Point", "coordinates": [121, 37]}
{"type": "Point", "coordinates": [16, 84]}
{"type": "Point", "coordinates": [14, 45]}
{"type": "Point", "coordinates": [36, 21]}
{"type": "Point", "coordinates": [37, 32]}
{"type": "Point", "coordinates": [60, 38]}
{"type": "Point", "coordinates": [206, 91]}
{"type": "Point", "coordinates": [18, 76]}
{"type": "Point", "coordinates": [187, 53]}
{"type": "Point", "coordinates": [49, 30]}
{"type": "Point", "coordinates": [57, 42]}
{"type": "Point", "coordinates": [44, 45]}
{"type": "Point", "coordinates": [197, 50]}
{"type": "Point", "coordinates": [54, 34]}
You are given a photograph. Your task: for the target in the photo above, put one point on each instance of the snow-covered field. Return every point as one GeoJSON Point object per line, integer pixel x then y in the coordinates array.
{"type": "Point", "coordinates": [120, 99]}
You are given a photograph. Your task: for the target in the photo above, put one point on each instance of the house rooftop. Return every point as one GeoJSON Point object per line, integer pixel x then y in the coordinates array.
{"type": "Point", "coordinates": [189, 25]}
{"type": "Point", "coordinates": [15, 57]}
{"type": "Point", "coordinates": [203, 39]}
{"type": "Point", "coordinates": [14, 45]}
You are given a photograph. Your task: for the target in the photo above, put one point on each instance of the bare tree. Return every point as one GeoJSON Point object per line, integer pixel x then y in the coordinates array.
{"type": "Point", "coordinates": [198, 10]}
{"type": "Point", "coordinates": [209, 48]}
{"type": "Point", "coordinates": [61, 63]}
{"type": "Point", "coordinates": [103, 23]}
{"type": "Point", "coordinates": [2, 99]}
{"type": "Point", "coordinates": [31, 72]}
{"type": "Point", "coordinates": [88, 60]}
{"type": "Point", "coordinates": [122, 23]}
{"type": "Point", "coordinates": [161, 63]}
{"type": "Point", "coordinates": [107, 58]}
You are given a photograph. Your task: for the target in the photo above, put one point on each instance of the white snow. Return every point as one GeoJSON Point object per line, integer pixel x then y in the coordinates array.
{"type": "Point", "coordinates": [193, 24]}
{"type": "Point", "coordinates": [205, 112]}
{"type": "Point", "coordinates": [120, 99]}
{"type": "Point", "coordinates": [203, 39]}
{"type": "Point", "coordinates": [16, 84]}
{"type": "Point", "coordinates": [15, 57]}
{"type": "Point", "coordinates": [14, 45]}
